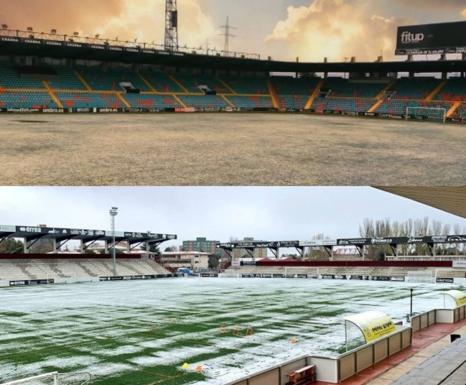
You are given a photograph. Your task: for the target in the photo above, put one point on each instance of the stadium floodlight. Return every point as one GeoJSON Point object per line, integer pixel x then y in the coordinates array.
{"type": "Point", "coordinates": [4, 26]}
{"type": "Point", "coordinates": [53, 31]}
{"type": "Point", "coordinates": [30, 29]}
{"type": "Point", "coordinates": [113, 214]}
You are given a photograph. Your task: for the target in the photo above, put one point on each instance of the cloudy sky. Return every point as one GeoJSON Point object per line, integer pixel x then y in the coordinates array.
{"type": "Point", "coordinates": [310, 29]}
{"type": "Point", "coordinates": [217, 213]}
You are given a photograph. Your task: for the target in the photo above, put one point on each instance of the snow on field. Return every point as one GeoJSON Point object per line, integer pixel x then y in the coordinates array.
{"type": "Point", "coordinates": [229, 326]}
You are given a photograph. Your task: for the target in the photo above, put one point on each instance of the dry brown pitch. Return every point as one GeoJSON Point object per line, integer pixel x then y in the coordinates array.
{"type": "Point", "coordinates": [228, 149]}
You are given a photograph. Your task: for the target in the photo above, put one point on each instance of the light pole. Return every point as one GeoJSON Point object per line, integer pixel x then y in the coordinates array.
{"type": "Point", "coordinates": [113, 214]}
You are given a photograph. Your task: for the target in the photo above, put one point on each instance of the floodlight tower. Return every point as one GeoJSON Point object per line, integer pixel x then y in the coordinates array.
{"type": "Point", "coordinates": [113, 214]}
{"type": "Point", "coordinates": [171, 26]}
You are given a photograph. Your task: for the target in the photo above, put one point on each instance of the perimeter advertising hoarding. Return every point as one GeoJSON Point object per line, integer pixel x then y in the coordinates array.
{"type": "Point", "coordinates": [432, 38]}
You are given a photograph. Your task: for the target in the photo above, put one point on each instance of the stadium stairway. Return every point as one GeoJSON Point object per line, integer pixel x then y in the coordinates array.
{"type": "Point", "coordinates": [52, 94]}
{"type": "Point", "coordinates": [314, 95]}
{"type": "Point", "coordinates": [273, 95]}
{"type": "Point", "coordinates": [454, 108]}
{"type": "Point", "coordinates": [435, 92]}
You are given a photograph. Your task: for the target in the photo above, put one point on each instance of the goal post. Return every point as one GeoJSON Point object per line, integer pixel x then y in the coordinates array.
{"type": "Point", "coordinates": [430, 113]}
{"type": "Point", "coordinates": [48, 378]}
{"type": "Point", "coordinates": [54, 378]}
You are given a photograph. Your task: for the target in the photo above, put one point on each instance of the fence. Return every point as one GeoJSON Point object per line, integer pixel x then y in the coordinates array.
{"type": "Point", "coordinates": [437, 316]}
{"type": "Point", "coordinates": [335, 370]}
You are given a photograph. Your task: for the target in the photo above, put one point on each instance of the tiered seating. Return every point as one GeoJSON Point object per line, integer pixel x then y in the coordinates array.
{"type": "Point", "coordinates": [292, 102]}
{"type": "Point", "coordinates": [251, 102]}
{"type": "Point", "coordinates": [64, 79]}
{"type": "Point", "coordinates": [26, 100]}
{"type": "Point", "coordinates": [293, 93]}
{"type": "Point", "coordinates": [398, 107]}
{"type": "Point", "coordinates": [109, 79]}
{"type": "Point", "coordinates": [347, 105]}
{"type": "Point", "coordinates": [340, 87]}
{"type": "Point", "coordinates": [414, 88]}
{"type": "Point", "coordinates": [248, 85]}
{"type": "Point", "coordinates": [11, 270]}
{"type": "Point", "coordinates": [10, 77]}
{"type": "Point", "coordinates": [152, 102]}
{"type": "Point", "coordinates": [89, 100]}
{"type": "Point", "coordinates": [192, 82]}
{"type": "Point", "coordinates": [161, 82]}
{"type": "Point", "coordinates": [454, 90]}
{"type": "Point", "coordinates": [210, 102]}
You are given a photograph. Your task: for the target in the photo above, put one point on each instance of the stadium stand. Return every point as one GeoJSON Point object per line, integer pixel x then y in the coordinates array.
{"type": "Point", "coordinates": [293, 93]}
{"type": "Point", "coordinates": [122, 88]}
{"type": "Point", "coordinates": [152, 102]}
{"type": "Point", "coordinates": [110, 79]}
{"type": "Point", "coordinates": [204, 102]}
{"type": "Point", "coordinates": [251, 102]}
{"type": "Point", "coordinates": [342, 105]}
{"type": "Point", "coordinates": [26, 100]}
{"type": "Point", "coordinates": [453, 90]}
{"type": "Point", "coordinates": [339, 87]}
{"type": "Point", "coordinates": [89, 100]}
{"type": "Point", "coordinates": [413, 88]}
{"type": "Point", "coordinates": [248, 85]}
{"type": "Point", "coordinates": [81, 269]}
{"type": "Point", "coordinates": [193, 82]}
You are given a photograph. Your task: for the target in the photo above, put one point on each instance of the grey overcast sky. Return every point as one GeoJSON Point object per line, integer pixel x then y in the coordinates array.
{"type": "Point", "coordinates": [217, 213]}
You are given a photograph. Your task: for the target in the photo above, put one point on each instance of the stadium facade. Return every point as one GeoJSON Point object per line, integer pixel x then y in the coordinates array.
{"type": "Point", "coordinates": [48, 73]}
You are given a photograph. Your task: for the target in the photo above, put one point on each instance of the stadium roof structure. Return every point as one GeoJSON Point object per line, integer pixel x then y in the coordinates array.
{"type": "Point", "coordinates": [449, 199]}
{"type": "Point", "coordinates": [32, 234]}
{"type": "Point", "coordinates": [328, 245]}
{"type": "Point", "coordinates": [41, 45]}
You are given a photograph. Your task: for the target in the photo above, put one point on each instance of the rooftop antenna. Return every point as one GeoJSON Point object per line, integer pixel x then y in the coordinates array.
{"type": "Point", "coordinates": [171, 26]}
{"type": "Point", "coordinates": [228, 35]}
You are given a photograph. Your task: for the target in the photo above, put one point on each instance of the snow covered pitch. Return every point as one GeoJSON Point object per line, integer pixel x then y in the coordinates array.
{"type": "Point", "coordinates": [141, 333]}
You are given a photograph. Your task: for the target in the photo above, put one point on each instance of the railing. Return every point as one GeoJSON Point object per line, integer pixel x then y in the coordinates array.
{"type": "Point", "coordinates": [337, 369]}
{"type": "Point", "coordinates": [438, 316]}
{"type": "Point", "coordinates": [112, 44]}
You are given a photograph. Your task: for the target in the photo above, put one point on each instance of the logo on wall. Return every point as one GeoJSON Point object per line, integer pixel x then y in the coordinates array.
{"type": "Point", "coordinates": [412, 38]}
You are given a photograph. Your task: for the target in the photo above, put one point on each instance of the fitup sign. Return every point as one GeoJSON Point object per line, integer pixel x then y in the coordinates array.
{"type": "Point", "coordinates": [432, 38]}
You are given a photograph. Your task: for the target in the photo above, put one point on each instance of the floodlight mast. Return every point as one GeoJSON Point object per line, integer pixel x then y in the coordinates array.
{"type": "Point", "coordinates": [113, 214]}
{"type": "Point", "coordinates": [171, 26]}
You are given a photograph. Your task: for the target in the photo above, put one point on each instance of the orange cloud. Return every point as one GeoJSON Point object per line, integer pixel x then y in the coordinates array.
{"type": "Point", "coordinates": [336, 29]}
{"type": "Point", "coordinates": [127, 19]}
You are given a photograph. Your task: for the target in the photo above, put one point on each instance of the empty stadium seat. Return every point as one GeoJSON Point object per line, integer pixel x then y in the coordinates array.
{"type": "Point", "coordinates": [414, 88]}
{"type": "Point", "coordinates": [89, 100]}
{"type": "Point", "coordinates": [251, 102]}
{"type": "Point", "coordinates": [247, 85]}
{"type": "Point", "coordinates": [211, 102]}
{"type": "Point", "coordinates": [109, 79]}
{"type": "Point", "coordinates": [10, 77]}
{"type": "Point", "coordinates": [161, 81]}
{"type": "Point", "coordinates": [192, 82]}
{"type": "Point", "coordinates": [340, 87]}
{"type": "Point", "coordinates": [152, 102]}
{"type": "Point", "coordinates": [340, 105]}
{"type": "Point", "coordinates": [454, 90]}
{"type": "Point", "coordinates": [26, 100]}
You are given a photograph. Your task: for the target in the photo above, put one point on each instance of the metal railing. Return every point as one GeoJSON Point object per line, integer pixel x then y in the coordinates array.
{"type": "Point", "coordinates": [102, 43]}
